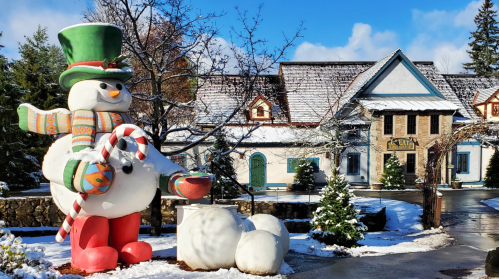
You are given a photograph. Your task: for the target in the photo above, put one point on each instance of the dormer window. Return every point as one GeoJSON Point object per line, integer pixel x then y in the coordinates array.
{"type": "Point", "coordinates": [260, 112]}
{"type": "Point", "coordinates": [260, 109]}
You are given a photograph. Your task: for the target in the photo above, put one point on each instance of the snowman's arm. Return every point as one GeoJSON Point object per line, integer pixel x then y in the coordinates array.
{"type": "Point", "coordinates": [49, 122]}
{"type": "Point", "coordinates": [56, 158]}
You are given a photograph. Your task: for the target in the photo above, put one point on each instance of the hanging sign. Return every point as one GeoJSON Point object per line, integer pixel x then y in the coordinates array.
{"type": "Point", "coordinates": [400, 144]}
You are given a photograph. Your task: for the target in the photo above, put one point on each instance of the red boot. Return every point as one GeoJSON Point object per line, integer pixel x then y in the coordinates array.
{"type": "Point", "coordinates": [124, 233]}
{"type": "Point", "coordinates": [89, 245]}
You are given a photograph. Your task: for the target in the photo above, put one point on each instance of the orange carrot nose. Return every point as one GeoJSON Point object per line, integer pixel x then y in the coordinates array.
{"type": "Point", "coordinates": [114, 93]}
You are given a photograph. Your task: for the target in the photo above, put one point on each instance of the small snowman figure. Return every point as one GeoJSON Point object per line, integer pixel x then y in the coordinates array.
{"type": "Point", "coordinates": [110, 187]}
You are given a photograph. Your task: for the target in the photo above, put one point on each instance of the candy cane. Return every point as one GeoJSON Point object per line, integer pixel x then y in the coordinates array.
{"type": "Point", "coordinates": [71, 217]}
{"type": "Point", "coordinates": [124, 131]}
{"type": "Point", "coordinates": [118, 133]}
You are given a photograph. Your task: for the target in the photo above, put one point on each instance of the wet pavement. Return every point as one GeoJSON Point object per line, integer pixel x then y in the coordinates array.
{"type": "Point", "coordinates": [473, 225]}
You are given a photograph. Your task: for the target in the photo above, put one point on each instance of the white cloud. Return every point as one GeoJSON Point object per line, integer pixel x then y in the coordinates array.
{"type": "Point", "coordinates": [24, 22]}
{"type": "Point", "coordinates": [447, 56]}
{"type": "Point", "coordinates": [362, 45]}
{"type": "Point", "coordinates": [443, 37]}
{"type": "Point", "coordinates": [438, 20]}
{"type": "Point", "coordinates": [466, 17]}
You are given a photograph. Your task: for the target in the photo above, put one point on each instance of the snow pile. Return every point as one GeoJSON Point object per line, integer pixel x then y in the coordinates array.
{"type": "Point", "coordinates": [494, 203]}
{"type": "Point", "coordinates": [405, 234]}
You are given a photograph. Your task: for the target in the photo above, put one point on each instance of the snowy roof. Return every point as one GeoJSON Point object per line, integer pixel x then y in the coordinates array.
{"type": "Point", "coordinates": [220, 95]}
{"type": "Point", "coordinates": [433, 75]}
{"type": "Point", "coordinates": [407, 103]}
{"type": "Point", "coordinates": [466, 86]}
{"type": "Point", "coordinates": [484, 94]}
{"type": "Point", "coordinates": [264, 134]}
{"type": "Point", "coordinates": [313, 86]}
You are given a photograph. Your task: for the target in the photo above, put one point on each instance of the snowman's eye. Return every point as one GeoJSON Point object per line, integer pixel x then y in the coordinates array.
{"type": "Point", "coordinates": [103, 86]}
{"type": "Point", "coordinates": [119, 87]}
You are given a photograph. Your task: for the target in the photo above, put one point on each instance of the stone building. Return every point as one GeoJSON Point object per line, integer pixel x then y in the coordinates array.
{"type": "Point", "coordinates": [392, 105]}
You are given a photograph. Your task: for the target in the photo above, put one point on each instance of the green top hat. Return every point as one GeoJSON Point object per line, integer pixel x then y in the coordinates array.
{"type": "Point", "coordinates": [92, 51]}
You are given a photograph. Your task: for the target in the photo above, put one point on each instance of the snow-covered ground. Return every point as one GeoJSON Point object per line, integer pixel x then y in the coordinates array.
{"type": "Point", "coordinates": [494, 203]}
{"type": "Point", "coordinates": [404, 234]}
{"type": "Point", "coordinates": [165, 246]}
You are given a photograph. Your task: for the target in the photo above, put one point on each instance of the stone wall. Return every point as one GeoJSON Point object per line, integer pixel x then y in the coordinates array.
{"type": "Point", "coordinates": [41, 211]}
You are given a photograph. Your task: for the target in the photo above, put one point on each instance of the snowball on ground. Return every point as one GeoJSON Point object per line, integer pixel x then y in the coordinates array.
{"type": "Point", "coordinates": [208, 238]}
{"type": "Point", "coordinates": [259, 252]}
{"type": "Point", "coordinates": [271, 224]}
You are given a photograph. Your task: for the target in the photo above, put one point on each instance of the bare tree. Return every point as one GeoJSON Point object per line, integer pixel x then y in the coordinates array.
{"type": "Point", "coordinates": [338, 127]}
{"type": "Point", "coordinates": [445, 64]}
{"type": "Point", "coordinates": [175, 54]}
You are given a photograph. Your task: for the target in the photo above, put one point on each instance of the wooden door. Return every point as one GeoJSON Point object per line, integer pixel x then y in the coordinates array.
{"type": "Point", "coordinates": [257, 171]}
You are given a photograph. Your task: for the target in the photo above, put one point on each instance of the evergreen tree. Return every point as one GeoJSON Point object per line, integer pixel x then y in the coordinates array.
{"type": "Point", "coordinates": [37, 73]}
{"type": "Point", "coordinates": [335, 220]}
{"type": "Point", "coordinates": [17, 168]}
{"type": "Point", "coordinates": [492, 176]}
{"type": "Point", "coordinates": [222, 185]}
{"type": "Point", "coordinates": [304, 177]}
{"type": "Point", "coordinates": [485, 42]}
{"type": "Point", "coordinates": [393, 175]}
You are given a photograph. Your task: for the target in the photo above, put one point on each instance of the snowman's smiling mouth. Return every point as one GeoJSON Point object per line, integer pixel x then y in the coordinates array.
{"type": "Point", "coordinates": [100, 99]}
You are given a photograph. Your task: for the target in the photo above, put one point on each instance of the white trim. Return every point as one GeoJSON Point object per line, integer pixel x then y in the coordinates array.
{"type": "Point", "coordinates": [90, 23]}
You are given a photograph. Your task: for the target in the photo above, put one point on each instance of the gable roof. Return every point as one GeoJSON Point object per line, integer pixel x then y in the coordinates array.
{"type": "Point", "coordinates": [425, 72]}
{"type": "Point", "coordinates": [260, 97]}
{"type": "Point", "coordinates": [484, 95]}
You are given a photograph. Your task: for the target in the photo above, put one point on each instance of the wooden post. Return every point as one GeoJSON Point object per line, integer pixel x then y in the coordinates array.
{"type": "Point", "coordinates": [438, 210]}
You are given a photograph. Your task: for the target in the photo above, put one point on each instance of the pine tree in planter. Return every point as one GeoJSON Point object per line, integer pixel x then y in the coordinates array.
{"type": "Point", "coordinates": [393, 175]}
{"type": "Point", "coordinates": [223, 187]}
{"type": "Point", "coordinates": [335, 220]}
{"type": "Point", "coordinates": [304, 177]}
{"type": "Point", "coordinates": [492, 176]}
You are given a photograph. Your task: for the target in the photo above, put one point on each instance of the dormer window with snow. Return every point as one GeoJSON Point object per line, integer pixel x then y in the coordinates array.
{"type": "Point", "coordinates": [260, 109]}
{"type": "Point", "coordinates": [487, 102]}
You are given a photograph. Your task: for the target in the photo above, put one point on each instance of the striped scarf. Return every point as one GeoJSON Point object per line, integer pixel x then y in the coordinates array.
{"type": "Point", "coordinates": [83, 124]}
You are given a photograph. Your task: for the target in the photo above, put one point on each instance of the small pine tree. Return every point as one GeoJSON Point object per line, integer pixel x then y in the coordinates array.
{"type": "Point", "coordinates": [223, 186]}
{"type": "Point", "coordinates": [485, 42]}
{"type": "Point", "coordinates": [393, 175]}
{"type": "Point", "coordinates": [492, 176]}
{"type": "Point", "coordinates": [304, 177]}
{"type": "Point", "coordinates": [335, 220]}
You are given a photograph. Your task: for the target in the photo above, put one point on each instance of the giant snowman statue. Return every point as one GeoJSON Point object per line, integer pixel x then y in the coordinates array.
{"type": "Point", "coordinates": [102, 189]}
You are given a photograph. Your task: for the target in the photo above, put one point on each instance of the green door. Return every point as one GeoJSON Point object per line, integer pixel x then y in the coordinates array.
{"type": "Point", "coordinates": [257, 171]}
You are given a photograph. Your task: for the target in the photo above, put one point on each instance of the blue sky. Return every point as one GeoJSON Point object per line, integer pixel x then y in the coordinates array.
{"type": "Point", "coordinates": [336, 30]}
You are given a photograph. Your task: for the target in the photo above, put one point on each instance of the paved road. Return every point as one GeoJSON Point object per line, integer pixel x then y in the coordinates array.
{"type": "Point", "coordinates": [474, 225]}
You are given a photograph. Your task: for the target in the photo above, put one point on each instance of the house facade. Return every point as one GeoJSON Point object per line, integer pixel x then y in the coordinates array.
{"type": "Point", "coordinates": [390, 106]}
